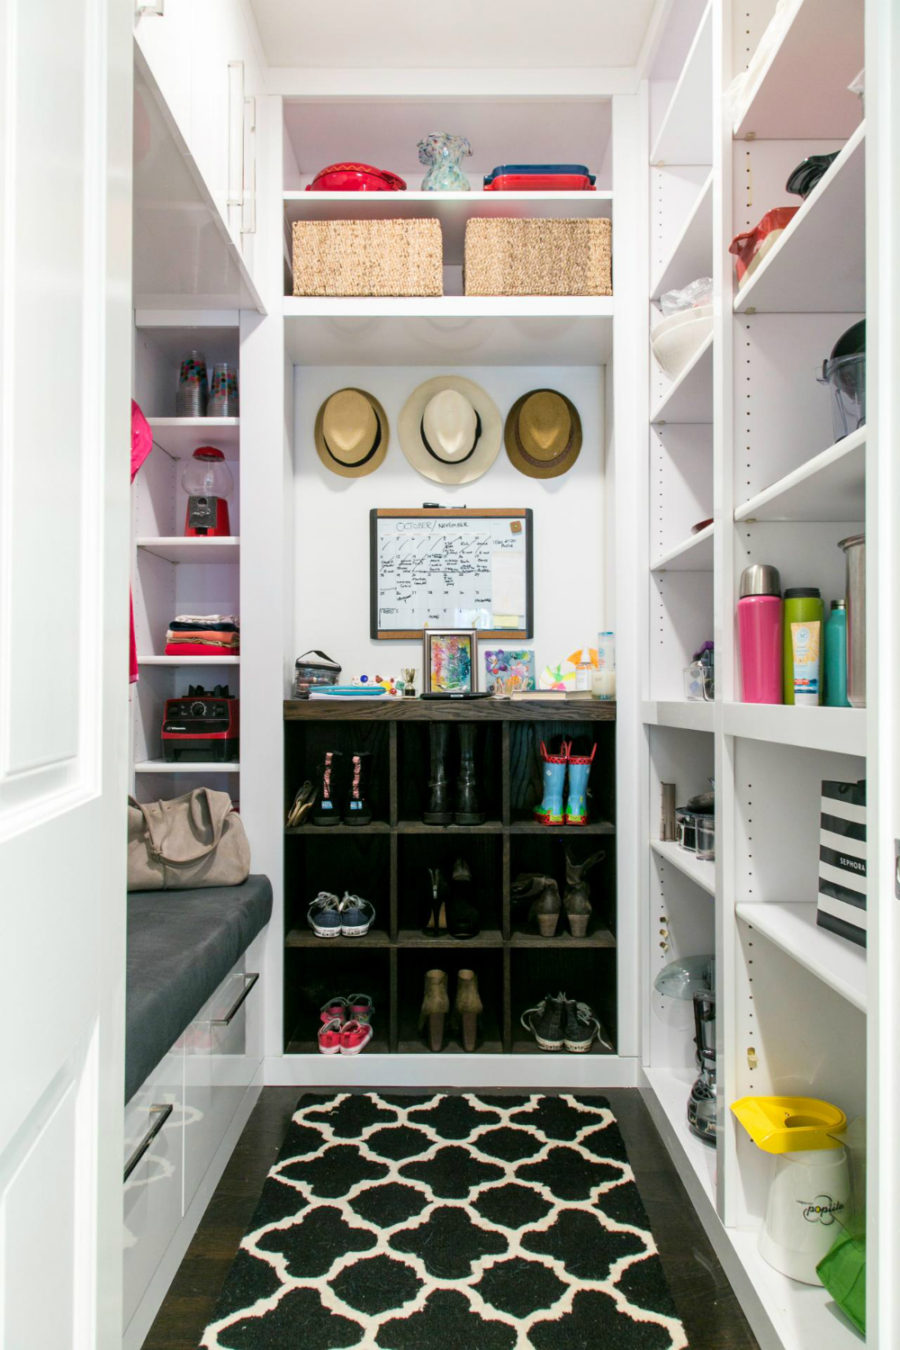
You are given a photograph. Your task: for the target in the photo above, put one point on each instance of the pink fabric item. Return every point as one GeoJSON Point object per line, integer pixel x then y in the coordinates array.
{"type": "Point", "coordinates": [141, 445]}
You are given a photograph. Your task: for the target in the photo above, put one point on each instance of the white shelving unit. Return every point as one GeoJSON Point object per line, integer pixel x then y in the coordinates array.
{"type": "Point", "coordinates": [175, 573]}
{"type": "Point", "coordinates": [745, 432]}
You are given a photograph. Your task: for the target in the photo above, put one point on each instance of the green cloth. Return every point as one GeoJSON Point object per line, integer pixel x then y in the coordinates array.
{"type": "Point", "coordinates": [843, 1272]}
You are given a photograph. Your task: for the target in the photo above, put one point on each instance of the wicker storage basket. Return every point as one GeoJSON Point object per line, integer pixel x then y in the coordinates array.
{"type": "Point", "coordinates": [538, 257]}
{"type": "Point", "coordinates": [367, 257]}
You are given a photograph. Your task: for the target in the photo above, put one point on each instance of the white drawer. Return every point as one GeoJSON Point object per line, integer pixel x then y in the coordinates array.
{"type": "Point", "coordinates": [221, 1057]}
{"type": "Point", "coordinates": [153, 1191]}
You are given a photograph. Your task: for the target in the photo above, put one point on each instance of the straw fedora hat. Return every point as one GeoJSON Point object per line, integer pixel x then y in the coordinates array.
{"type": "Point", "coordinates": [450, 429]}
{"type": "Point", "coordinates": [351, 433]}
{"type": "Point", "coordinates": [543, 433]}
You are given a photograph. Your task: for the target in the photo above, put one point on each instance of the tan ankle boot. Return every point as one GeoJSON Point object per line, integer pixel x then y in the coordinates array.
{"type": "Point", "coordinates": [468, 1006]}
{"type": "Point", "coordinates": [435, 1006]}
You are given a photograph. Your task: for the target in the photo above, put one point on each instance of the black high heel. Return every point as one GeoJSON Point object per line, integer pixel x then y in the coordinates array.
{"type": "Point", "coordinates": [436, 906]}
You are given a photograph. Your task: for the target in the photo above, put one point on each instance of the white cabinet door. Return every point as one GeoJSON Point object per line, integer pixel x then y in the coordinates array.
{"type": "Point", "coordinates": [65, 267]}
{"type": "Point", "coordinates": [201, 55]}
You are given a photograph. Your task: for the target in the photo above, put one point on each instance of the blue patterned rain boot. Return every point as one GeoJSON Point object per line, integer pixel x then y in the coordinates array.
{"type": "Point", "coordinates": [579, 771]}
{"type": "Point", "coordinates": [550, 810]}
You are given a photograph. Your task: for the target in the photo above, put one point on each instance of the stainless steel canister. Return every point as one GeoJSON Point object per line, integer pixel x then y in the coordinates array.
{"type": "Point", "coordinates": [855, 553]}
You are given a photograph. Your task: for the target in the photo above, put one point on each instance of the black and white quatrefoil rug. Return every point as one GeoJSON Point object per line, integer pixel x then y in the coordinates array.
{"type": "Point", "coordinates": [442, 1222]}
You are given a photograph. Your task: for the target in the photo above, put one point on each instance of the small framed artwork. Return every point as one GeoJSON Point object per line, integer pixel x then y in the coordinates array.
{"type": "Point", "coordinates": [508, 670]}
{"type": "Point", "coordinates": [450, 661]}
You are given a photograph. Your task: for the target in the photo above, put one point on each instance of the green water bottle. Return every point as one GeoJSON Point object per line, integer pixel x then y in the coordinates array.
{"type": "Point", "coordinates": [802, 604]}
{"type": "Point", "coordinates": [836, 656]}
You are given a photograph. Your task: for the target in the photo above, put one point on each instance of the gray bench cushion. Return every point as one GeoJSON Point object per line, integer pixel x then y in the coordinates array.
{"type": "Point", "coordinates": [181, 945]}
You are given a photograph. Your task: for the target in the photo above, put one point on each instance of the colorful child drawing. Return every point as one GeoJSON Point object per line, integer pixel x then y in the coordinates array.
{"type": "Point", "coordinates": [508, 672]}
{"type": "Point", "coordinates": [451, 664]}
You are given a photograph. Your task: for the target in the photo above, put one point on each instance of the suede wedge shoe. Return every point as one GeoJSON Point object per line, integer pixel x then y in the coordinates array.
{"type": "Point", "coordinates": [468, 1008]}
{"type": "Point", "coordinates": [435, 1007]}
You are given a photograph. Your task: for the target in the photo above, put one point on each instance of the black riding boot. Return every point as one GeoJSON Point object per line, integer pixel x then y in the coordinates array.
{"type": "Point", "coordinates": [468, 810]}
{"type": "Point", "coordinates": [438, 810]}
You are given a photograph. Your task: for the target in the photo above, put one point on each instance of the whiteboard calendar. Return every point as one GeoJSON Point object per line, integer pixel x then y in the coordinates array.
{"type": "Point", "coordinates": [462, 568]}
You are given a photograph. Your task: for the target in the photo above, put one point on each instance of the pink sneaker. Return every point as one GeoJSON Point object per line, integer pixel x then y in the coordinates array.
{"type": "Point", "coordinates": [355, 1036]}
{"type": "Point", "coordinates": [331, 1037]}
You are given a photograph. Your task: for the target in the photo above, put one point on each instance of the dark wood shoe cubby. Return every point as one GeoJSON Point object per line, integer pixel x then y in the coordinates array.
{"type": "Point", "coordinates": [386, 861]}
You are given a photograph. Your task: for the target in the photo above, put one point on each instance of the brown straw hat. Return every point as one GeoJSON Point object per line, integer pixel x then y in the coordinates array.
{"type": "Point", "coordinates": [351, 433]}
{"type": "Point", "coordinates": [449, 429]}
{"type": "Point", "coordinates": [543, 433]}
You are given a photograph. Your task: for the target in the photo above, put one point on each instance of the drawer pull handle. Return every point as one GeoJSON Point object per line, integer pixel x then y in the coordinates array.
{"type": "Point", "coordinates": [162, 1114]}
{"type": "Point", "coordinates": [229, 1016]}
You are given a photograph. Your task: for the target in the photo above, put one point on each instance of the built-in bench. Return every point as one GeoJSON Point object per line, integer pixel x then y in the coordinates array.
{"type": "Point", "coordinates": [193, 1069]}
{"type": "Point", "coordinates": [181, 946]}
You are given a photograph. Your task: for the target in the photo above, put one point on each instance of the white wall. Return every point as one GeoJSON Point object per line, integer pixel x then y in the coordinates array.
{"type": "Point", "coordinates": [331, 609]}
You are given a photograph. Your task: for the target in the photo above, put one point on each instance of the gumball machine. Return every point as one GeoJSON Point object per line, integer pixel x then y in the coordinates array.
{"type": "Point", "coordinates": [208, 483]}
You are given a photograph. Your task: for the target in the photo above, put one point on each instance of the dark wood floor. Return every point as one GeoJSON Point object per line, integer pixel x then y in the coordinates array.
{"type": "Point", "coordinates": [709, 1310]}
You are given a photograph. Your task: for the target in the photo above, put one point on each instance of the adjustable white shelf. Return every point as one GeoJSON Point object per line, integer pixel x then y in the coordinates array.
{"type": "Point", "coordinates": [839, 730]}
{"type": "Point", "coordinates": [189, 660]}
{"type": "Point", "coordinates": [685, 136]}
{"type": "Point", "coordinates": [830, 486]}
{"type": "Point", "coordinates": [827, 232]}
{"type": "Point", "coordinates": [193, 549]}
{"type": "Point", "coordinates": [802, 1315]}
{"type": "Point", "coordinates": [689, 398]}
{"type": "Point", "coordinates": [694, 554]}
{"type": "Point", "coordinates": [700, 870]}
{"type": "Point", "coordinates": [164, 766]}
{"type": "Point", "coordinates": [682, 715]}
{"type": "Point", "coordinates": [424, 330]}
{"type": "Point", "coordinates": [691, 255]}
{"type": "Point", "coordinates": [792, 927]}
{"type": "Point", "coordinates": [180, 436]}
{"type": "Point", "coordinates": [670, 1090]}
{"type": "Point", "coordinates": [824, 41]}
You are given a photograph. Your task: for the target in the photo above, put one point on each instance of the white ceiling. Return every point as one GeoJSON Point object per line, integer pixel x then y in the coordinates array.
{"type": "Point", "coordinates": [507, 34]}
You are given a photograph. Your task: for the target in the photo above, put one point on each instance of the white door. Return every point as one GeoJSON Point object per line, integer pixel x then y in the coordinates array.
{"type": "Point", "coordinates": [65, 323]}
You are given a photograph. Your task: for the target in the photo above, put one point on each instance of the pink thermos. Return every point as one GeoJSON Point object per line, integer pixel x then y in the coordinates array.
{"type": "Point", "coordinates": [759, 615]}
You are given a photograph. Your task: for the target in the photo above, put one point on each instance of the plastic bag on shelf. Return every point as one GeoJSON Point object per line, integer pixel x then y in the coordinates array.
{"type": "Point", "coordinates": [698, 293]}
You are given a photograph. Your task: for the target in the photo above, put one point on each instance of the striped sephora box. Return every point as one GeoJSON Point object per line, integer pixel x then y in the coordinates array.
{"type": "Point", "coordinates": [842, 861]}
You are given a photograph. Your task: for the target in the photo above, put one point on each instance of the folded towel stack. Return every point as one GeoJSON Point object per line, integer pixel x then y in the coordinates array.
{"type": "Point", "coordinates": [203, 635]}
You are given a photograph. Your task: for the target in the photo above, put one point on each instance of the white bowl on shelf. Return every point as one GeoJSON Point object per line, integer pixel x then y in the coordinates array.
{"type": "Point", "coordinates": [679, 337]}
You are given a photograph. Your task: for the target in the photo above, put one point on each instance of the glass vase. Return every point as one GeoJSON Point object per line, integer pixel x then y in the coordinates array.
{"type": "Point", "coordinates": [443, 153]}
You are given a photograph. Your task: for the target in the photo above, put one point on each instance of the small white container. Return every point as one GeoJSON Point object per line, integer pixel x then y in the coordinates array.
{"type": "Point", "coordinates": [808, 1200]}
{"type": "Point", "coordinates": [603, 679]}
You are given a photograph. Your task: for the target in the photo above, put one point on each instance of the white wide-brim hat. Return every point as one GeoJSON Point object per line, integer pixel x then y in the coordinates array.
{"type": "Point", "coordinates": [450, 429]}
{"type": "Point", "coordinates": [351, 433]}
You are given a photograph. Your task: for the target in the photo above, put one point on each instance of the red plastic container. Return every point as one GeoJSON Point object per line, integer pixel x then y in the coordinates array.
{"type": "Point", "coordinates": [540, 182]}
{"type": "Point", "coordinates": [356, 178]}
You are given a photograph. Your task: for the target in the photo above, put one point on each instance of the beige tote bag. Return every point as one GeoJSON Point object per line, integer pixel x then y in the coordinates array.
{"type": "Point", "coordinates": [194, 840]}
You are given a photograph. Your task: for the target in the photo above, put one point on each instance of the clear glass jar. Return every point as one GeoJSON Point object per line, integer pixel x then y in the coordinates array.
{"type": "Point", "coordinates": [603, 680]}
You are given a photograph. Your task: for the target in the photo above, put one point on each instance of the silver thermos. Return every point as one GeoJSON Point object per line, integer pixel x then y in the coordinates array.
{"type": "Point", "coordinates": [855, 553]}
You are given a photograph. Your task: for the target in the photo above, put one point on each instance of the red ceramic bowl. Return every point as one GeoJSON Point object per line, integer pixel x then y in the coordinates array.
{"type": "Point", "coordinates": [355, 178]}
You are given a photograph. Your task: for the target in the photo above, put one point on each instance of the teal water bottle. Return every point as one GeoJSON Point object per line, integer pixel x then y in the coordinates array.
{"type": "Point", "coordinates": [836, 656]}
